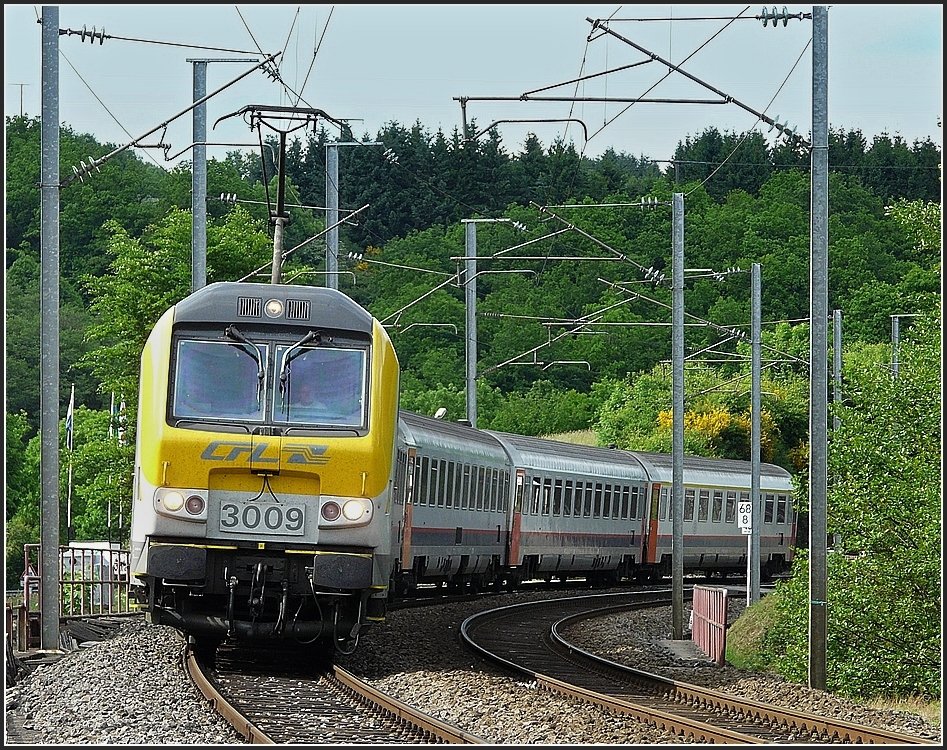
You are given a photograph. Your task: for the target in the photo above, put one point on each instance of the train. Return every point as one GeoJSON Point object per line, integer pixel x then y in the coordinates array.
{"type": "Point", "coordinates": [280, 492]}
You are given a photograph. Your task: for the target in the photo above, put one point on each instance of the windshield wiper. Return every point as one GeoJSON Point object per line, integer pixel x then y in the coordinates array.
{"type": "Point", "coordinates": [294, 351]}
{"type": "Point", "coordinates": [253, 350]}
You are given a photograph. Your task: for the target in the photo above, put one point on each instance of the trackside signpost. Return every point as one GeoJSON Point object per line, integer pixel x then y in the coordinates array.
{"type": "Point", "coordinates": [745, 519]}
{"type": "Point", "coordinates": [745, 516]}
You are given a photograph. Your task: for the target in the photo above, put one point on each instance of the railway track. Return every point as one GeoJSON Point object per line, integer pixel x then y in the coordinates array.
{"type": "Point", "coordinates": [292, 696]}
{"type": "Point", "coordinates": [526, 639]}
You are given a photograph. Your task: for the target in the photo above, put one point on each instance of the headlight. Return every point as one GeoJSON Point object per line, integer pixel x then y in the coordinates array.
{"type": "Point", "coordinates": [195, 505]}
{"type": "Point", "coordinates": [186, 505]}
{"type": "Point", "coordinates": [331, 511]}
{"type": "Point", "coordinates": [274, 308]}
{"type": "Point", "coordinates": [173, 501]}
{"type": "Point", "coordinates": [353, 510]}
{"type": "Point", "coordinates": [350, 512]}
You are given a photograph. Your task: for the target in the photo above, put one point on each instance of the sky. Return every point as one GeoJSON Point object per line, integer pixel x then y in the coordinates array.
{"type": "Point", "coordinates": [376, 64]}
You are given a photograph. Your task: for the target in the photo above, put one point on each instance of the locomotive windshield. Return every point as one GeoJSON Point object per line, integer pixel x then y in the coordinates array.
{"type": "Point", "coordinates": [319, 385]}
{"type": "Point", "coordinates": [216, 380]}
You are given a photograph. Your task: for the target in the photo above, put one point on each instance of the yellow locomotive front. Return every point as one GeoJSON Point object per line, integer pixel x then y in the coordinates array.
{"type": "Point", "coordinates": [265, 445]}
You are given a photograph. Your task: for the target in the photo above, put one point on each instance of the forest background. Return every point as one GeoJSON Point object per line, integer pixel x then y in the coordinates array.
{"type": "Point", "coordinates": [573, 323]}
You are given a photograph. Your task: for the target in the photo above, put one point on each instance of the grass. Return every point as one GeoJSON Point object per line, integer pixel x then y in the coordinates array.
{"type": "Point", "coordinates": [578, 437]}
{"type": "Point", "coordinates": [745, 636]}
{"type": "Point", "coordinates": [744, 646]}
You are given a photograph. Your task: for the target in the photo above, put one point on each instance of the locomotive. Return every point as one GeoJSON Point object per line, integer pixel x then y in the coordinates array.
{"type": "Point", "coordinates": [263, 461]}
{"type": "Point", "coordinates": [281, 493]}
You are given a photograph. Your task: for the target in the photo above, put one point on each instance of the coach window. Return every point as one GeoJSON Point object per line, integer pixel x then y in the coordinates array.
{"type": "Point", "coordinates": [607, 501]}
{"type": "Point", "coordinates": [423, 480]}
{"type": "Point", "coordinates": [449, 494]}
{"type": "Point", "coordinates": [625, 497]}
{"type": "Point", "coordinates": [433, 484]}
{"type": "Point", "coordinates": [634, 501]}
{"type": "Point", "coordinates": [781, 509]}
{"type": "Point", "coordinates": [567, 499]}
{"type": "Point", "coordinates": [465, 488]}
{"type": "Point", "coordinates": [703, 508]}
{"type": "Point", "coordinates": [537, 491]}
{"type": "Point", "coordinates": [547, 495]}
{"type": "Point", "coordinates": [664, 503]}
{"type": "Point", "coordinates": [599, 491]}
{"type": "Point", "coordinates": [492, 488]}
{"type": "Point", "coordinates": [689, 504]}
{"type": "Point", "coordinates": [768, 511]}
{"type": "Point", "coordinates": [718, 506]}
{"type": "Point", "coordinates": [478, 494]}
{"type": "Point", "coordinates": [557, 498]}
{"type": "Point", "coordinates": [731, 507]}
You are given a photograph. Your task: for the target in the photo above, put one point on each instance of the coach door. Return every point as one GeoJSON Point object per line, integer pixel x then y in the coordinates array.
{"type": "Point", "coordinates": [408, 507]}
{"type": "Point", "coordinates": [516, 522]}
{"type": "Point", "coordinates": [649, 547]}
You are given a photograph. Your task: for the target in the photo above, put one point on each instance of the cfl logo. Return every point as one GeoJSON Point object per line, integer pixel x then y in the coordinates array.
{"type": "Point", "coordinates": [229, 452]}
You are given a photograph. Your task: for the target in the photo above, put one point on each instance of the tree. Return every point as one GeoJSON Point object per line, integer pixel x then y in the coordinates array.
{"type": "Point", "coordinates": [884, 624]}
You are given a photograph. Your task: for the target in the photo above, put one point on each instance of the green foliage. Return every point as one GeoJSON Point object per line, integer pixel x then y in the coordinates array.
{"type": "Point", "coordinates": [884, 603]}
{"type": "Point", "coordinates": [160, 261]}
{"type": "Point", "coordinates": [542, 410]}
{"type": "Point", "coordinates": [101, 478]}
{"type": "Point", "coordinates": [581, 297]}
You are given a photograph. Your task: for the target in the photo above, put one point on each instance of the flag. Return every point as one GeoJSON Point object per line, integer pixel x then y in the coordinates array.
{"type": "Point", "coordinates": [69, 417]}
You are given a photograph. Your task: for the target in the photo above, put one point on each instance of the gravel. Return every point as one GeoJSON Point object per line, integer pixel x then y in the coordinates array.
{"type": "Point", "coordinates": [132, 688]}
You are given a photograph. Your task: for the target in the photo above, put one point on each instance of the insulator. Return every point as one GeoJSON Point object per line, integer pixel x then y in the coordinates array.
{"type": "Point", "coordinates": [93, 35]}
{"type": "Point", "coordinates": [775, 16]}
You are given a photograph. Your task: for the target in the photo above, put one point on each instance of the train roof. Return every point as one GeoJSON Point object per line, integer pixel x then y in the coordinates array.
{"type": "Point", "coordinates": [714, 472]}
{"type": "Point", "coordinates": [554, 455]}
{"type": "Point", "coordinates": [235, 301]}
{"type": "Point", "coordinates": [455, 437]}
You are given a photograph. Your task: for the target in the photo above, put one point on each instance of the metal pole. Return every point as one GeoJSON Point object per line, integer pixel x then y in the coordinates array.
{"type": "Point", "coordinates": [677, 393]}
{"type": "Point", "coordinates": [837, 362]}
{"type": "Point", "coordinates": [49, 332]}
{"type": "Point", "coordinates": [818, 378]}
{"type": "Point", "coordinates": [470, 300]}
{"type": "Point", "coordinates": [199, 172]}
{"type": "Point", "coordinates": [756, 519]}
{"type": "Point", "coordinates": [277, 250]}
{"type": "Point", "coordinates": [332, 215]}
{"type": "Point", "coordinates": [279, 218]}
{"type": "Point", "coordinates": [199, 180]}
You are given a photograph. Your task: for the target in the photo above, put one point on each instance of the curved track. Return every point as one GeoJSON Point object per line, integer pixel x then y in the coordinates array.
{"type": "Point", "coordinates": [281, 697]}
{"type": "Point", "coordinates": [525, 638]}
